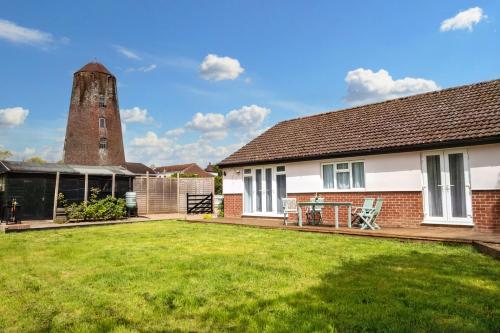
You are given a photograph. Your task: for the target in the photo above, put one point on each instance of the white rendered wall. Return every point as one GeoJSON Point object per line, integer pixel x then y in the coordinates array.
{"type": "Point", "coordinates": [484, 164]}
{"type": "Point", "coordinates": [386, 172]}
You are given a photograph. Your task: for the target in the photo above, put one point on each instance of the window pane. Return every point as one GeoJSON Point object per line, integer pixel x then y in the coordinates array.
{"type": "Point", "coordinates": [248, 194]}
{"type": "Point", "coordinates": [281, 192]}
{"type": "Point", "coordinates": [358, 175]}
{"type": "Point", "coordinates": [247, 171]}
{"type": "Point", "coordinates": [280, 168]}
{"type": "Point", "coordinates": [342, 166]}
{"type": "Point", "coordinates": [434, 184]}
{"type": "Point", "coordinates": [343, 180]}
{"type": "Point", "coordinates": [328, 176]}
{"type": "Point", "coordinates": [269, 190]}
{"type": "Point", "coordinates": [457, 185]}
{"type": "Point", "coordinates": [258, 190]}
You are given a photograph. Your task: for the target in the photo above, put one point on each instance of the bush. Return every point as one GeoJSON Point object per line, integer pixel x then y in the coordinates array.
{"type": "Point", "coordinates": [220, 212]}
{"type": "Point", "coordinates": [108, 208]}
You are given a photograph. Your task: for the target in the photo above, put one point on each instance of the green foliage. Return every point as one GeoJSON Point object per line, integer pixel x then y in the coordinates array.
{"type": "Point", "coordinates": [170, 276]}
{"type": "Point", "coordinates": [218, 184]}
{"type": "Point", "coordinates": [184, 175]}
{"type": "Point", "coordinates": [36, 159]}
{"type": "Point", "coordinates": [61, 200]}
{"type": "Point", "coordinates": [108, 208]}
{"type": "Point", "coordinates": [220, 212]}
{"type": "Point", "coordinates": [5, 154]}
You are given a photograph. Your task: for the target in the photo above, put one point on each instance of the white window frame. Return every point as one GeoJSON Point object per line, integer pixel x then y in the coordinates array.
{"type": "Point", "coordinates": [274, 189]}
{"type": "Point", "coordinates": [103, 121]}
{"type": "Point", "coordinates": [349, 169]}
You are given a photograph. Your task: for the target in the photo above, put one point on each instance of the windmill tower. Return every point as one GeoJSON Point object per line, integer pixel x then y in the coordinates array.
{"type": "Point", "coordinates": [94, 131]}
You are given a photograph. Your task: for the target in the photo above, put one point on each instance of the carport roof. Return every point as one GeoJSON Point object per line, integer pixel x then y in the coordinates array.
{"type": "Point", "coordinates": [28, 167]}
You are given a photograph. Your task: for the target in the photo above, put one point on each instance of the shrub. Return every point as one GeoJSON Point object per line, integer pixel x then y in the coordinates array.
{"type": "Point", "coordinates": [220, 212]}
{"type": "Point", "coordinates": [108, 208]}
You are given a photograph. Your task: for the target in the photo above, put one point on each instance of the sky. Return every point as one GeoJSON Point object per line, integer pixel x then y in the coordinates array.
{"type": "Point", "coordinates": [199, 79]}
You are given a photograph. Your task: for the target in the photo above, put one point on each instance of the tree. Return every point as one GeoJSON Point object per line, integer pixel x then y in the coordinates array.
{"type": "Point", "coordinates": [36, 159]}
{"type": "Point", "coordinates": [5, 154]}
{"type": "Point", "coordinates": [218, 179]}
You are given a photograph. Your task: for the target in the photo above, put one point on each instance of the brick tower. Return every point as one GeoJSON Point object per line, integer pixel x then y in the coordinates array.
{"type": "Point", "coordinates": [94, 131]}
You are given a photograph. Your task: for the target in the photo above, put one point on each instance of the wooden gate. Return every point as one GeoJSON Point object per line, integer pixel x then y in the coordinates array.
{"type": "Point", "coordinates": [199, 203]}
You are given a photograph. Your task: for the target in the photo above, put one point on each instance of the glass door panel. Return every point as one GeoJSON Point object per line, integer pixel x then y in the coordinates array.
{"type": "Point", "coordinates": [248, 198]}
{"type": "Point", "coordinates": [269, 190]}
{"type": "Point", "coordinates": [281, 192]}
{"type": "Point", "coordinates": [258, 190]}
{"type": "Point", "coordinates": [457, 185]}
{"type": "Point", "coordinates": [434, 186]}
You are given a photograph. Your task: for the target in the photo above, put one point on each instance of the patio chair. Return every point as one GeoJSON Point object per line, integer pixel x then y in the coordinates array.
{"type": "Point", "coordinates": [289, 206]}
{"type": "Point", "coordinates": [368, 217]}
{"type": "Point", "coordinates": [367, 205]}
{"type": "Point", "coordinates": [316, 216]}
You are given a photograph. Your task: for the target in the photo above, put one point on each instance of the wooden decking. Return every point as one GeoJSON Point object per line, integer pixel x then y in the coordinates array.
{"type": "Point", "coordinates": [439, 234]}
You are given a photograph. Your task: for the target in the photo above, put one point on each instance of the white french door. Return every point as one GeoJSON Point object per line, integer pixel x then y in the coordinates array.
{"type": "Point", "coordinates": [264, 189]}
{"type": "Point", "coordinates": [447, 191]}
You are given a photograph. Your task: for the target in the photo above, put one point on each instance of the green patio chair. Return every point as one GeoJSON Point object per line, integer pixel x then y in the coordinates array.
{"type": "Point", "coordinates": [367, 205]}
{"type": "Point", "coordinates": [368, 217]}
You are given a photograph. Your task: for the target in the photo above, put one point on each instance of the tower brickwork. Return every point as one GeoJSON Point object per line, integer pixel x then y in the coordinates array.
{"type": "Point", "coordinates": [94, 132]}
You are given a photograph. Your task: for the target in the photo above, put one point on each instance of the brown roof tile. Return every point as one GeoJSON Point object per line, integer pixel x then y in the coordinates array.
{"type": "Point", "coordinates": [454, 116]}
{"type": "Point", "coordinates": [191, 168]}
{"type": "Point", "coordinates": [94, 67]}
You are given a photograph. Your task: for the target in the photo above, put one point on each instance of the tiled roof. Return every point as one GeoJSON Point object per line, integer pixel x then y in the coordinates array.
{"type": "Point", "coordinates": [191, 168]}
{"type": "Point", "coordinates": [138, 168]}
{"type": "Point", "coordinates": [450, 117]}
{"type": "Point", "coordinates": [94, 67]}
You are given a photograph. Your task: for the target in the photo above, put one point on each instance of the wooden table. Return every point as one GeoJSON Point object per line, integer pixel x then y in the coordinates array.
{"type": "Point", "coordinates": [336, 205]}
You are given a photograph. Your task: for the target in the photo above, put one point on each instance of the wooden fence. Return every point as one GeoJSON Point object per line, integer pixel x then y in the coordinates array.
{"type": "Point", "coordinates": [160, 195]}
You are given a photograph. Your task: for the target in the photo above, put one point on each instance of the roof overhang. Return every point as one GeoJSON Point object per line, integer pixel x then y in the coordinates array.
{"type": "Point", "coordinates": [380, 151]}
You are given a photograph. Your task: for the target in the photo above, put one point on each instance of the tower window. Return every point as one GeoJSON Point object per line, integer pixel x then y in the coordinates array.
{"type": "Point", "coordinates": [102, 122]}
{"type": "Point", "coordinates": [103, 143]}
{"type": "Point", "coordinates": [101, 101]}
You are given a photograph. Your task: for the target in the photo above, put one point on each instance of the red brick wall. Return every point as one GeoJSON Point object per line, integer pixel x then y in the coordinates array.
{"type": "Point", "coordinates": [400, 209]}
{"type": "Point", "coordinates": [486, 210]}
{"type": "Point", "coordinates": [233, 205]}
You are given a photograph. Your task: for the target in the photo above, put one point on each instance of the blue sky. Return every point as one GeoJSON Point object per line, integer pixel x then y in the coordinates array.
{"type": "Point", "coordinates": [198, 79]}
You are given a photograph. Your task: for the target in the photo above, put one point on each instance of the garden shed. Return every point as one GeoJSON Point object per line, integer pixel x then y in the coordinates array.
{"type": "Point", "coordinates": [33, 185]}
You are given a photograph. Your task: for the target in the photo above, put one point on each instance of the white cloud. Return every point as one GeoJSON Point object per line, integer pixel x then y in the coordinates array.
{"type": "Point", "coordinates": [176, 132]}
{"type": "Point", "coordinates": [218, 68]}
{"type": "Point", "coordinates": [463, 20]}
{"type": "Point", "coordinates": [244, 123]}
{"type": "Point", "coordinates": [12, 32]}
{"type": "Point", "coordinates": [152, 149]}
{"type": "Point", "coordinates": [11, 117]}
{"type": "Point", "coordinates": [365, 86]}
{"type": "Point", "coordinates": [207, 122]}
{"type": "Point", "coordinates": [143, 69]}
{"type": "Point", "coordinates": [214, 136]}
{"type": "Point", "coordinates": [136, 115]}
{"type": "Point", "coordinates": [247, 116]}
{"type": "Point", "coordinates": [127, 53]}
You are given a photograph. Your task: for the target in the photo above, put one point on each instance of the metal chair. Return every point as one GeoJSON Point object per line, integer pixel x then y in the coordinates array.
{"type": "Point", "coordinates": [289, 206]}
{"type": "Point", "coordinates": [369, 216]}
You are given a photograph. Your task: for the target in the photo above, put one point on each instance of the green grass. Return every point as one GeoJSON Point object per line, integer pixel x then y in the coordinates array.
{"type": "Point", "coordinates": [175, 276]}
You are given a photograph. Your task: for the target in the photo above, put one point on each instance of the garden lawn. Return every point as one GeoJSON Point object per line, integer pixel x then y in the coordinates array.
{"type": "Point", "coordinates": [178, 276]}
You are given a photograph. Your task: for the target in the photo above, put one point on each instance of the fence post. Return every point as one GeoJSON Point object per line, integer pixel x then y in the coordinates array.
{"type": "Point", "coordinates": [113, 185]}
{"type": "Point", "coordinates": [56, 193]}
{"type": "Point", "coordinates": [187, 203]}
{"type": "Point", "coordinates": [178, 194]}
{"type": "Point", "coordinates": [86, 193]}
{"type": "Point", "coordinates": [147, 192]}
{"type": "Point", "coordinates": [212, 200]}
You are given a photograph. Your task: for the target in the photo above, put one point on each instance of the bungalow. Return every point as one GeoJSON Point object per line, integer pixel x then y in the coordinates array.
{"type": "Point", "coordinates": [433, 157]}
